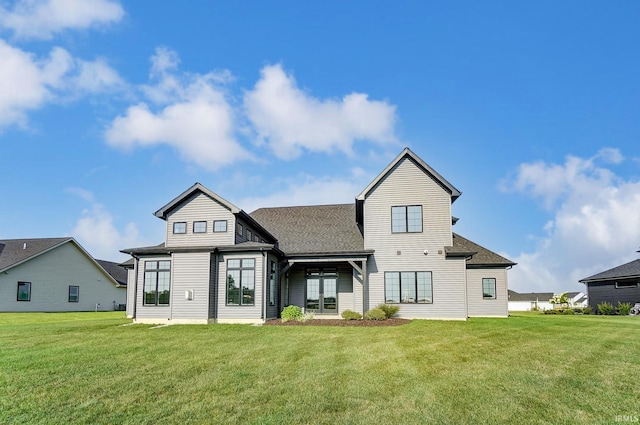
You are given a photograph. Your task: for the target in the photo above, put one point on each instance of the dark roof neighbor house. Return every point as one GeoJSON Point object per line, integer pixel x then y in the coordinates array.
{"type": "Point", "coordinates": [619, 284]}
{"type": "Point", "coordinates": [57, 274]}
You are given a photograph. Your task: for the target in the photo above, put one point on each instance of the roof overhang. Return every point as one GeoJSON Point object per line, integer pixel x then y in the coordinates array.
{"type": "Point", "coordinates": [197, 187]}
{"type": "Point", "coordinates": [610, 279]}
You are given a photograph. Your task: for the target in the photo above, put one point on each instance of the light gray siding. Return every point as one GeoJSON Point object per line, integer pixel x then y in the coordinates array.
{"type": "Point", "coordinates": [200, 207]}
{"type": "Point", "coordinates": [405, 185]}
{"type": "Point", "coordinates": [190, 273]}
{"type": "Point", "coordinates": [245, 312]}
{"type": "Point", "coordinates": [51, 274]}
{"type": "Point", "coordinates": [477, 305]}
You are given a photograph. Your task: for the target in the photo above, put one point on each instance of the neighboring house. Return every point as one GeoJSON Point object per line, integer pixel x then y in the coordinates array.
{"type": "Point", "coordinates": [55, 274]}
{"type": "Point", "coordinates": [619, 284]}
{"type": "Point", "coordinates": [540, 300]}
{"type": "Point", "coordinates": [393, 245]}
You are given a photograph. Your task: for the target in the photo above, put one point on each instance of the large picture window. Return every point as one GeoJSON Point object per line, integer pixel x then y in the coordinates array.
{"type": "Point", "coordinates": [406, 219]}
{"type": "Point", "coordinates": [489, 288]}
{"type": "Point", "coordinates": [157, 283]}
{"type": "Point", "coordinates": [241, 281]}
{"type": "Point", "coordinates": [24, 291]}
{"type": "Point", "coordinates": [408, 288]}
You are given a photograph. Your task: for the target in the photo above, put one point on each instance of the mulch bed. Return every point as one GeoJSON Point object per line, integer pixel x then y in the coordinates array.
{"type": "Point", "coordinates": [338, 322]}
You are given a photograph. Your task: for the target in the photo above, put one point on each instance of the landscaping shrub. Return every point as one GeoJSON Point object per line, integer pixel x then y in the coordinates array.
{"type": "Point", "coordinates": [554, 311]}
{"type": "Point", "coordinates": [606, 308]}
{"type": "Point", "coordinates": [624, 308]}
{"type": "Point", "coordinates": [306, 316]}
{"type": "Point", "coordinates": [291, 312]}
{"type": "Point", "coordinates": [587, 310]}
{"type": "Point", "coordinates": [351, 315]}
{"type": "Point", "coordinates": [389, 309]}
{"type": "Point", "coordinates": [567, 311]}
{"type": "Point", "coordinates": [375, 314]}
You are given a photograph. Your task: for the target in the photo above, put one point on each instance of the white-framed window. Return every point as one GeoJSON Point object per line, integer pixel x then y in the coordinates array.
{"type": "Point", "coordinates": [157, 283]}
{"type": "Point", "coordinates": [220, 226]}
{"type": "Point", "coordinates": [199, 227]}
{"type": "Point", "coordinates": [241, 281]}
{"type": "Point", "coordinates": [179, 227]}
{"type": "Point", "coordinates": [408, 287]}
{"type": "Point", "coordinates": [406, 219]}
{"type": "Point", "coordinates": [489, 288]}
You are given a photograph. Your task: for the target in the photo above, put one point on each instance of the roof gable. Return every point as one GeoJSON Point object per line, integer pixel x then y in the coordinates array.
{"type": "Point", "coordinates": [423, 166]}
{"type": "Point", "coordinates": [197, 187]}
{"type": "Point", "coordinates": [18, 251]}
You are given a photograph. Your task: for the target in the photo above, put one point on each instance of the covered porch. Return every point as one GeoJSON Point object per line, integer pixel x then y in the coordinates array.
{"type": "Point", "coordinates": [325, 285]}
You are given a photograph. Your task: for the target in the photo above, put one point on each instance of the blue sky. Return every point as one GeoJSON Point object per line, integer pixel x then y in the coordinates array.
{"type": "Point", "coordinates": [110, 109]}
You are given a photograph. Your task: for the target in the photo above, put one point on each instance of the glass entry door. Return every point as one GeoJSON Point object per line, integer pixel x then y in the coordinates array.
{"type": "Point", "coordinates": [322, 291]}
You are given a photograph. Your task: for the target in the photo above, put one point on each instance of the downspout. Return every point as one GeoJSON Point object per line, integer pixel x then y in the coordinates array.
{"type": "Point", "coordinates": [264, 283]}
{"type": "Point", "coordinates": [135, 286]}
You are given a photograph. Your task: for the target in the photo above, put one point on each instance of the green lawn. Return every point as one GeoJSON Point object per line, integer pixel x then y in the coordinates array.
{"type": "Point", "coordinates": [85, 368]}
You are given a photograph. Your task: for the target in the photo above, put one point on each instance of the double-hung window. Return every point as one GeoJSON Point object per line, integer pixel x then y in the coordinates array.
{"type": "Point", "coordinates": [241, 281]}
{"type": "Point", "coordinates": [74, 293]}
{"type": "Point", "coordinates": [408, 287]}
{"type": "Point", "coordinates": [157, 283]}
{"type": "Point", "coordinates": [406, 219]}
{"type": "Point", "coordinates": [489, 288]}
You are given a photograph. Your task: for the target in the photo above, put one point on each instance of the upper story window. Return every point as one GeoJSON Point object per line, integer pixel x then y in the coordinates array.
{"type": "Point", "coordinates": [626, 285]}
{"type": "Point", "coordinates": [220, 226]}
{"type": "Point", "coordinates": [489, 288]}
{"type": "Point", "coordinates": [249, 235]}
{"type": "Point", "coordinates": [406, 219]}
{"type": "Point", "coordinates": [199, 227]}
{"type": "Point", "coordinates": [157, 283]}
{"type": "Point", "coordinates": [240, 229]}
{"type": "Point", "coordinates": [180, 227]}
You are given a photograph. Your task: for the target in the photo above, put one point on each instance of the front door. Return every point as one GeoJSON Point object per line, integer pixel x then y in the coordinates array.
{"type": "Point", "coordinates": [322, 291]}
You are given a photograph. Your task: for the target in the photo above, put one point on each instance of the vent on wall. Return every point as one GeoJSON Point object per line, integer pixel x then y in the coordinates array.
{"type": "Point", "coordinates": [188, 295]}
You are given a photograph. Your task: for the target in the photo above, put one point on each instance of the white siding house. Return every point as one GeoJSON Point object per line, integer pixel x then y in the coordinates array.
{"type": "Point", "coordinates": [394, 244]}
{"type": "Point", "coordinates": [55, 274]}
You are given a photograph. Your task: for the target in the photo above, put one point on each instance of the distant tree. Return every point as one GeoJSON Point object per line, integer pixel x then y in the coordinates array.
{"type": "Point", "coordinates": [560, 299]}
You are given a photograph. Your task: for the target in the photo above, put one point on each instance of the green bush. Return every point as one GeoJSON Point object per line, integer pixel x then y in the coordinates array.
{"type": "Point", "coordinates": [606, 308]}
{"type": "Point", "coordinates": [567, 311]}
{"type": "Point", "coordinates": [587, 310]}
{"type": "Point", "coordinates": [624, 308]}
{"type": "Point", "coordinates": [389, 309]}
{"type": "Point", "coordinates": [553, 311]}
{"type": "Point", "coordinates": [291, 312]}
{"type": "Point", "coordinates": [375, 314]}
{"type": "Point", "coordinates": [351, 315]}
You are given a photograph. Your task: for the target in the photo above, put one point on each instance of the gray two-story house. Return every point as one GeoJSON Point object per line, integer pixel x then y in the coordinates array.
{"type": "Point", "coordinates": [394, 245]}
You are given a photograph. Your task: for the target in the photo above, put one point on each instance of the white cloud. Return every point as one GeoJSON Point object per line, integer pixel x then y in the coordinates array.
{"type": "Point", "coordinates": [290, 120]}
{"type": "Point", "coordinates": [27, 83]}
{"type": "Point", "coordinates": [41, 19]}
{"type": "Point", "coordinates": [194, 116]}
{"type": "Point", "coordinates": [98, 234]}
{"type": "Point", "coordinates": [595, 223]}
{"type": "Point", "coordinates": [309, 190]}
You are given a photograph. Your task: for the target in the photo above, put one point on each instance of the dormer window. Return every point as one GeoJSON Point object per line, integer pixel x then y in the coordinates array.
{"type": "Point", "coordinates": [180, 227]}
{"type": "Point", "coordinates": [240, 229]}
{"type": "Point", "coordinates": [406, 219]}
{"type": "Point", "coordinates": [199, 227]}
{"type": "Point", "coordinates": [249, 235]}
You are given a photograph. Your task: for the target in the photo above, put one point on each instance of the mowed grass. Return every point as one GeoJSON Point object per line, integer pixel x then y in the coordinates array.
{"type": "Point", "coordinates": [85, 368]}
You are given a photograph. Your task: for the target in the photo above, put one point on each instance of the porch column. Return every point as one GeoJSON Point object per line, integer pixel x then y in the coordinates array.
{"type": "Point", "coordinates": [365, 287]}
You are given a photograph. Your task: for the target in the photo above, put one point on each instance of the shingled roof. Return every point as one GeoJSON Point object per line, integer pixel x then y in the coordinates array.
{"type": "Point", "coordinates": [313, 229]}
{"type": "Point", "coordinates": [116, 271]}
{"type": "Point", "coordinates": [482, 256]}
{"type": "Point", "coordinates": [629, 270]}
{"type": "Point", "coordinates": [16, 251]}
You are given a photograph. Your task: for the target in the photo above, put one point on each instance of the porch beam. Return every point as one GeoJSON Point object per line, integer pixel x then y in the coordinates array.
{"type": "Point", "coordinates": [287, 267]}
{"type": "Point", "coordinates": [328, 260]}
{"type": "Point", "coordinates": [355, 266]}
